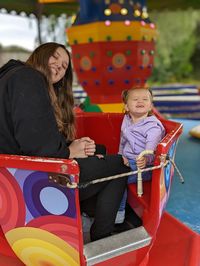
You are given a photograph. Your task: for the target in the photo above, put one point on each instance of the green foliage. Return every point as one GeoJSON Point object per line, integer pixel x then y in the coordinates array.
{"type": "Point", "coordinates": [176, 45]}
{"type": "Point", "coordinates": [196, 55]}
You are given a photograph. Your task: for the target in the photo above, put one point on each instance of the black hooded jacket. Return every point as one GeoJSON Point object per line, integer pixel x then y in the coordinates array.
{"type": "Point", "coordinates": [27, 121]}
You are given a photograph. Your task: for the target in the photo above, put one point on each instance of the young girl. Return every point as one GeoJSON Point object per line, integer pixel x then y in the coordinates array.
{"type": "Point", "coordinates": [140, 130]}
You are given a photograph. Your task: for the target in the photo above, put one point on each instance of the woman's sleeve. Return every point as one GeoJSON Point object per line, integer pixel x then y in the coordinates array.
{"type": "Point", "coordinates": [122, 140]}
{"type": "Point", "coordinates": [34, 123]}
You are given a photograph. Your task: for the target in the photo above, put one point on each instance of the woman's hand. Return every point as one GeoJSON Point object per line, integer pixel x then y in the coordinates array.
{"type": "Point", "coordinates": [90, 146]}
{"type": "Point", "coordinates": [82, 148]}
{"type": "Point", "coordinates": [141, 162]}
{"type": "Point", "coordinates": [77, 149]}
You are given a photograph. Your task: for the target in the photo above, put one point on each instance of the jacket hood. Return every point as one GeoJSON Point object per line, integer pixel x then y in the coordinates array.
{"type": "Point", "coordinates": [9, 65]}
{"type": "Point", "coordinates": [146, 121]}
{"type": "Point", "coordinates": [151, 118]}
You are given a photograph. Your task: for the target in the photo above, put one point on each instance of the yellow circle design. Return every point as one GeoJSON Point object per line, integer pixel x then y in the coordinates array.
{"type": "Point", "coordinates": [37, 247]}
{"type": "Point", "coordinates": [119, 60]}
{"type": "Point", "coordinates": [107, 12]}
{"type": "Point", "coordinates": [124, 11]}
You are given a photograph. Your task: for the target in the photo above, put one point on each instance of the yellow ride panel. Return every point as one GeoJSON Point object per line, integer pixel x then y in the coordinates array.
{"type": "Point", "coordinates": [116, 31]}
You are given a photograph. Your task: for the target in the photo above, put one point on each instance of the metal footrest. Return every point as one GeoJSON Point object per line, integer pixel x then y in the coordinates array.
{"type": "Point", "coordinates": [115, 245]}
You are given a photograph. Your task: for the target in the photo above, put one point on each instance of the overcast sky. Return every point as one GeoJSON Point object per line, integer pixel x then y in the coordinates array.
{"type": "Point", "coordinates": [17, 30]}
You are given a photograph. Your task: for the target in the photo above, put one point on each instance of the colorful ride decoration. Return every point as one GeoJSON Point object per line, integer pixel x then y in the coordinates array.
{"type": "Point", "coordinates": [113, 46]}
{"type": "Point", "coordinates": [39, 217]}
{"type": "Point", "coordinates": [40, 221]}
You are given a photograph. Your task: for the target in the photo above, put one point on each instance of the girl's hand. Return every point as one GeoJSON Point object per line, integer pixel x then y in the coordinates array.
{"type": "Point", "coordinates": [126, 162]}
{"type": "Point", "coordinates": [141, 162]}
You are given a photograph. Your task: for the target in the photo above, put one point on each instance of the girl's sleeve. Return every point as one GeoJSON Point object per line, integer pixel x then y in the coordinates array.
{"type": "Point", "coordinates": [34, 124]}
{"type": "Point", "coordinates": [153, 137]}
{"type": "Point", "coordinates": [121, 144]}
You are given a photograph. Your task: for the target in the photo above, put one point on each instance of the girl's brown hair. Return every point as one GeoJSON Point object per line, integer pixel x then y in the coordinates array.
{"type": "Point", "coordinates": [63, 101]}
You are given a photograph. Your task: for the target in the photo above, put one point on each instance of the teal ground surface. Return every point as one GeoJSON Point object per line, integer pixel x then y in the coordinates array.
{"type": "Point", "coordinates": [184, 201]}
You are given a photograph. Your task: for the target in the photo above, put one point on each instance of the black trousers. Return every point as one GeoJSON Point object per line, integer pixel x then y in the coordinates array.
{"type": "Point", "coordinates": [102, 200]}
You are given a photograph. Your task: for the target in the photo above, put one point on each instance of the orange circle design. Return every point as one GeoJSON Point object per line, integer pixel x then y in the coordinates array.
{"type": "Point", "coordinates": [119, 60]}
{"type": "Point", "coordinates": [85, 63]}
{"type": "Point", "coordinates": [145, 60]}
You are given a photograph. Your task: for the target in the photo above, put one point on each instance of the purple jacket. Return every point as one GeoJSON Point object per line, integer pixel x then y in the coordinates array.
{"type": "Point", "coordinates": [143, 135]}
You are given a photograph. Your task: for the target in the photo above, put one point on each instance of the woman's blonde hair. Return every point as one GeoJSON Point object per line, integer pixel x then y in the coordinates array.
{"type": "Point", "coordinates": [63, 100]}
{"type": "Point", "coordinates": [126, 93]}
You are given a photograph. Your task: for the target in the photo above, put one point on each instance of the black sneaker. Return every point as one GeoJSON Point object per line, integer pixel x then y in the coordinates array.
{"type": "Point", "coordinates": [118, 228]}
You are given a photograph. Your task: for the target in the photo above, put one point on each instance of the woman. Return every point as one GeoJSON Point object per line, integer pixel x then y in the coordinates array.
{"type": "Point", "coordinates": [36, 117]}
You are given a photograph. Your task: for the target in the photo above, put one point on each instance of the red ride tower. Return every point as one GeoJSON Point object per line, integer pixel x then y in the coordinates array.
{"type": "Point", "coordinates": [113, 44]}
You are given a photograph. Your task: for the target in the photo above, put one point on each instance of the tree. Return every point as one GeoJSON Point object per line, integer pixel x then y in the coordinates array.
{"type": "Point", "coordinates": [54, 29]}
{"type": "Point", "coordinates": [175, 46]}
